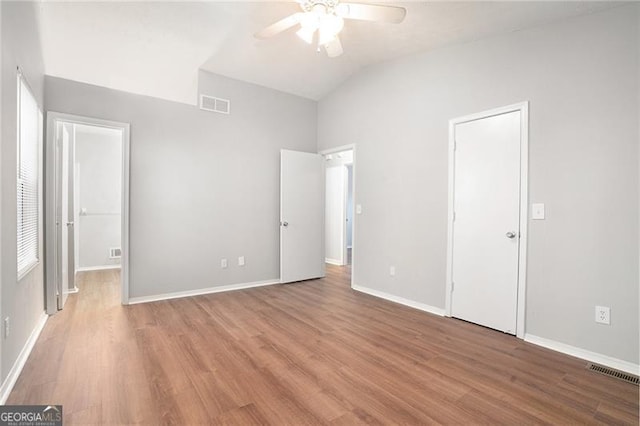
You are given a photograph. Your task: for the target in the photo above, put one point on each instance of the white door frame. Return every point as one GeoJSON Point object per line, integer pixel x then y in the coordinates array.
{"type": "Point", "coordinates": [523, 108]}
{"type": "Point", "coordinates": [351, 147]}
{"type": "Point", "coordinates": [50, 245]}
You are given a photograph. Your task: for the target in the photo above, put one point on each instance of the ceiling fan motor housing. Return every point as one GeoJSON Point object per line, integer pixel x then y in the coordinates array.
{"type": "Point", "coordinates": [319, 6]}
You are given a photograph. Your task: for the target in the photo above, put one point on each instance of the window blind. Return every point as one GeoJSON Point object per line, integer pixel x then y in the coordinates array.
{"type": "Point", "coordinates": [27, 177]}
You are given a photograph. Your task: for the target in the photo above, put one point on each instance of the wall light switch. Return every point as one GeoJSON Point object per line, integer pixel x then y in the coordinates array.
{"type": "Point", "coordinates": [537, 211]}
{"type": "Point", "coordinates": [392, 271]}
{"type": "Point", "coordinates": [241, 261]}
{"type": "Point", "coordinates": [358, 208]}
{"type": "Point", "coordinates": [223, 263]}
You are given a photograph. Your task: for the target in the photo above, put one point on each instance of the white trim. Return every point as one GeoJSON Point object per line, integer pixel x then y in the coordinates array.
{"type": "Point", "coordinates": [52, 118]}
{"type": "Point", "coordinates": [16, 369]}
{"type": "Point", "coordinates": [524, 219]}
{"type": "Point", "coordinates": [401, 300]}
{"type": "Point", "coordinates": [605, 360]}
{"type": "Point", "coordinates": [523, 107]}
{"type": "Point", "coordinates": [348, 147]}
{"type": "Point", "coordinates": [75, 289]}
{"type": "Point", "coordinates": [201, 291]}
{"type": "Point", "coordinates": [97, 268]}
{"type": "Point", "coordinates": [333, 262]}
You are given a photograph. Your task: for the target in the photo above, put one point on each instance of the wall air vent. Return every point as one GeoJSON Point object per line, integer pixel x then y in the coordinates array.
{"type": "Point", "coordinates": [630, 378]}
{"type": "Point", "coordinates": [209, 103]}
{"type": "Point", "coordinates": [115, 253]}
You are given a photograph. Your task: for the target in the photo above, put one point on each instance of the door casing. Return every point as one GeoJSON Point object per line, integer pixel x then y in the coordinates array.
{"type": "Point", "coordinates": [50, 203]}
{"type": "Point", "coordinates": [523, 107]}
{"type": "Point", "coordinates": [350, 147]}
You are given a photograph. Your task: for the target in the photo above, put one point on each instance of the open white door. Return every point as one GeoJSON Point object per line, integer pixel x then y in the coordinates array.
{"type": "Point", "coordinates": [64, 213]}
{"type": "Point", "coordinates": [301, 216]}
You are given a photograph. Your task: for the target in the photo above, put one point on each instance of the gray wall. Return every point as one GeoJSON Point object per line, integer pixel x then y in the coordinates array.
{"type": "Point", "coordinates": [581, 78]}
{"type": "Point", "coordinates": [98, 156]}
{"type": "Point", "coordinates": [203, 185]}
{"type": "Point", "coordinates": [22, 302]}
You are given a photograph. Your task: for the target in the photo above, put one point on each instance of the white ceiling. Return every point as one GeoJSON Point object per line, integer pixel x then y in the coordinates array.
{"type": "Point", "coordinates": [156, 48]}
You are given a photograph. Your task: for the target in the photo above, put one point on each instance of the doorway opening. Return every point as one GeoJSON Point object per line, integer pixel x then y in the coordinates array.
{"type": "Point", "coordinates": [339, 206]}
{"type": "Point", "coordinates": [87, 205]}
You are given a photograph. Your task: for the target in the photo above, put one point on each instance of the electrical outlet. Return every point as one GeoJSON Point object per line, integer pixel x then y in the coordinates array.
{"type": "Point", "coordinates": [224, 264]}
{"type": "Point", "coordinates": [392, 271]}
{"type": "Point", "coordinates": [6, 327]}
{"type": "Point", "coordinates": [603, 315]}
{"type": "Point", "coordinates": [241, 261]}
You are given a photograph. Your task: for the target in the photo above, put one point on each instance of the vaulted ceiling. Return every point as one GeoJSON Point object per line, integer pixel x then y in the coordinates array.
{"type": "Point", "coordinates": [157, 48]}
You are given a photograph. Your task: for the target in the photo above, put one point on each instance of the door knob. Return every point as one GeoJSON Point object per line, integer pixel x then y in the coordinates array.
{"type": "Point", "coordinates": [510, 235]}
{"type": "Point", "coordinates": [69, 223]}
{"type": "Point", "coordinates": [285, 223]}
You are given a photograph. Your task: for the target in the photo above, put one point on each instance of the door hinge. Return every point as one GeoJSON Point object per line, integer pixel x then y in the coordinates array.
{"type": "Point", "coordinates": [455, 144]}
{"type": "Point", "coordinates": [454, 216]}
{"type": "Point", "coordinates": [452, 286]}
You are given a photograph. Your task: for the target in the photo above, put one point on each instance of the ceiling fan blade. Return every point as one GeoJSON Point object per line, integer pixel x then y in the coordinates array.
{"type": "Point", "coordinates": [371, 12]}
{"type": "Point", "coordinates": [334, 48]}
{"type": "Point", "coordinates": [280, 26]}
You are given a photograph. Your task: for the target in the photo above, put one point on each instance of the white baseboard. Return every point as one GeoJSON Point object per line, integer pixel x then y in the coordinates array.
{"type": "Point", "coordinates": [201, 291]}
{"type": "Point", "coordinates": [595, 357]}
{"type": "Point", "coordinates": [74, 290]}
{"type": "Point", "coordinates": [16, 369]}
{"type": "Point", "coordinates": [333, 262]}
{"type": "Point", "coordinates": [400, 300]}
{"type": "Point", "coordinates": [97, 268]}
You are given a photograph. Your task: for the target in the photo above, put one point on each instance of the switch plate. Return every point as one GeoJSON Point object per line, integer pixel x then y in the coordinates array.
{"type": "Point", "coordinates": [6, 327]}
{"type": "Point", "coordinates": [603, 315]}
{"type": "Point", "coordinates": [241, 261]}
{"type": "Point", "coordinates": [358, 208]}
{"type": "Point", "coordinates": [224, 264]}
{"type": "Point", "coordinates": [537, 211]}
{"type": "Point", "coordinates": [392, 271]}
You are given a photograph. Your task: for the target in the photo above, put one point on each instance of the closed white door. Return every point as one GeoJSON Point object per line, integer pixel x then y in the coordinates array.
{"type": "Point", "coordinates": [486, 228]}
{"type": "Point", "coordinates": [301, 216]}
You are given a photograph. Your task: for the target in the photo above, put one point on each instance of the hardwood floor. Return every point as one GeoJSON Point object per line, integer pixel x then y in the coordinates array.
{"type": "Point", "coordinates": [315, 352]}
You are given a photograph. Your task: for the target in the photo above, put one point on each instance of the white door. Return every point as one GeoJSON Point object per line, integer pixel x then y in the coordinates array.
{"type": "Point", "coordinates": [486, 221]}
{"type": "Point", "coordinates": [301, 216]}
{"type": "Point", "coordinates": [335, 215]}
{"type": "Point", "coordinates": [64, 213]}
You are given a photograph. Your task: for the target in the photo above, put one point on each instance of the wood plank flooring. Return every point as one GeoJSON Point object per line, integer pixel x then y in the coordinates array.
{"type": "Point", "coordinates": [315, 352]}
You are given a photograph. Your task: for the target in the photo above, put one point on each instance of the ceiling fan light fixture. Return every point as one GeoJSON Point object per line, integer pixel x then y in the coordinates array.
{"type": "Point", "coordinates": [310, 21]}
{"type": "Point", "coordinates": [327, 17]}
{"type": "Point", "coordinates": [324, 38]}
{"type": "Point", "coordinates": [306, 34]}
{"type": "Point", "coordinates": [330, 27]}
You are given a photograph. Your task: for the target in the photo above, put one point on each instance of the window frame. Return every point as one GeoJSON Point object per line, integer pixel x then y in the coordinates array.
{"type": "Point", "coordinates": [36, 183]}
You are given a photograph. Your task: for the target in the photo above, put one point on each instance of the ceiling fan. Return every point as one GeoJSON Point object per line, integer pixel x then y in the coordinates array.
{"type": "Point", "coordinates": [326, 17]}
